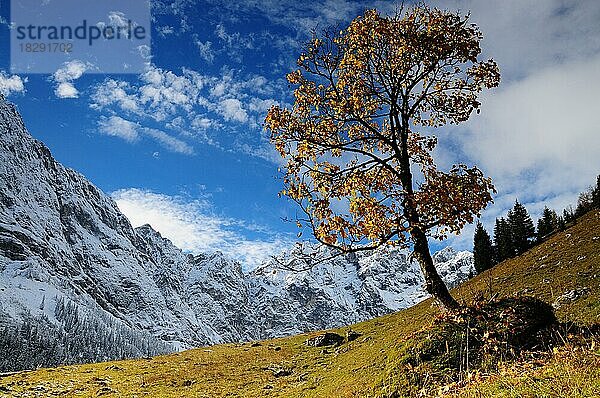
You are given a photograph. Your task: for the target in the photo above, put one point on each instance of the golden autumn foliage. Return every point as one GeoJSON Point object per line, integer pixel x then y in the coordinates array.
{"type": "Point", "coordinates": [358, 137]}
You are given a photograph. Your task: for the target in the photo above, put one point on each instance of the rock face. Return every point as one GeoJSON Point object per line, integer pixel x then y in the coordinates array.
{"type": "Point", "coordinates": [62, 240]}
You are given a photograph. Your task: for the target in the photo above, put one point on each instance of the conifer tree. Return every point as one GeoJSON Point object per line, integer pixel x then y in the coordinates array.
{"type": "Point", "coordinates": [522, 229]}
{"type": "Point", "coordinates": [585, 202]}
{"type": "Point", "coordinates": [596, 194]}
{"type": "Point", "coordinates": [547, 224]}
{"type": "Point", "coordinates": [483, 252]}
{"type": "Point", "coordinates": [503, 240]}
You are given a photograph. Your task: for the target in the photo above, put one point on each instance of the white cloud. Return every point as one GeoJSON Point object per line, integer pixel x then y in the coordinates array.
{"type": "Point", "coordinates": [119, 127]}
{"type": "Point", "coordinates": [526, 36]}
{"type": "Point", "coordinates": [171, 143]}
{"type": "Point", "coordinates": [302, 16]}
{"type": "Point", "coordinates": [231, 109]}
{"type": "Point", "coordinates": [166, 92]}
{"type": "Point", "coordinates": [206, 51]}
{"type": "Point", "coordinates": [192, 226]}
{"type": "Point", "coordinates": [263, 150]}
{"type": "Point", "coordinates": [202, 123]}
{"type": "Point", "coordinates": [261, 105]}
{"type": "Point", "coordinates": [546, 122]}
{"type": "Point", "coordinates": [71, 70]}
{"type": "Point", "coordinates": [131, 131]}
{"type": "Point", "coordinates": [11, 84]}
{"type": "Point", "coordinates": [179, 8]}
{"type": "Point", "coordinates": [165, 30]}
{"type": "Point", "coordinates": [66, 90]}
{"type": "Point", "coordinates": [234, 40]}
{"type": "Point", "coordinates": [161, 95]}
{"type": "Point", "coordinates": [64, 77]}
{"type": "Point", "coordinates": [113, 92]}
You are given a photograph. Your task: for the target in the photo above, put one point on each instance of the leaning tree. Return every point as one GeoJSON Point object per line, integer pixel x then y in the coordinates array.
{"type": "Point", "coordinates": [357, 142]}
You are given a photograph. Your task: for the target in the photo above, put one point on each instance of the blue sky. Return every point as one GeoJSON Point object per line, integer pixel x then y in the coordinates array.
{"type": "Point", "coordinates": [180, 145]}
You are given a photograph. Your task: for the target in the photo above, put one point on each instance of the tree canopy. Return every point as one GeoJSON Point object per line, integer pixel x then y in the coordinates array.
{"type": "Point", "coordinates": [358, 140]}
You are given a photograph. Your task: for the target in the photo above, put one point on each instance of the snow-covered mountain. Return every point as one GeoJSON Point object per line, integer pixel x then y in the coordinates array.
{"type": "Point", "coordinates": [344, 290]}
{"type": "Point", "coordinates": [69, 258]}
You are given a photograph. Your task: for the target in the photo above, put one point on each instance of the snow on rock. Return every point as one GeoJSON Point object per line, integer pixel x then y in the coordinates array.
{"type": "Point", "coordinates": [61, 238]}
{"type": "Point", "coordinates": [345, 289]}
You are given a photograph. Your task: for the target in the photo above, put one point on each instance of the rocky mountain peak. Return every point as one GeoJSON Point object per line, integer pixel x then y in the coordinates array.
{"type": "Point", "coordinates": [444, 255]}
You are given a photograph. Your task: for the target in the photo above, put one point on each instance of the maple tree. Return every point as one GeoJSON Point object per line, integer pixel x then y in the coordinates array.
{"type": "Point", "coordinates": [358, 151]}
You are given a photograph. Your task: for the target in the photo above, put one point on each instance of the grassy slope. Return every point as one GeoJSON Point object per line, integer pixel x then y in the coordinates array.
{"type": "Point", "coordinates": [568, 260]}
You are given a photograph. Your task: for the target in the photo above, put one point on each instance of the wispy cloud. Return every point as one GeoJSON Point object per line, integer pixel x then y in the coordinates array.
{"type": "Point", "coordinates": [171, 143]}
{"type": "Point", "coordinates": [114, 93]}
{"type": "Point", "coordinates": [206, 51]}
{"type": "Point", "coordinates": [179, 8]}
{"type": "Point", "coordinates": [10, 84]}
{"type": "Point", "coordinates": [130, 131]}
{"type": "Point", "coordinates": [193, 226]}
{"type": "Point", "coordinates": [117, 18]}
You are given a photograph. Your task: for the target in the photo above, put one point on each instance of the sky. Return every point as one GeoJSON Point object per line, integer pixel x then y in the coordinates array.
{"type": "Point", "coordinates": [179, 144]}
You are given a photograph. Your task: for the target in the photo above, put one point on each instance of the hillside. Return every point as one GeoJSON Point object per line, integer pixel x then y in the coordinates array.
{"type": "Point", "coordinates": [564, 270]}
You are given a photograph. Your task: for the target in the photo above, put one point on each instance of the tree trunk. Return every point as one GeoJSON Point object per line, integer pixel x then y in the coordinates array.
{"type": "Point", "coordinates": [433, 282]}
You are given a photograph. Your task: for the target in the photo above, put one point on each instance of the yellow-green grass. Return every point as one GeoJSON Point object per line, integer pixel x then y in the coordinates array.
{"type": "Point", "coordinates": [568, 260]}
{"type": "Point", "coordinates": [570, 371]}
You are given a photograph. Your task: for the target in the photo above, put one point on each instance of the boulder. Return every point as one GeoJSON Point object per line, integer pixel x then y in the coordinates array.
{"type": "Point", "coordinates": [325, 339]}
